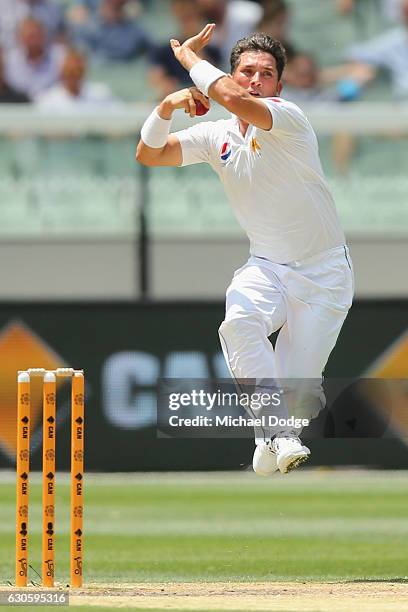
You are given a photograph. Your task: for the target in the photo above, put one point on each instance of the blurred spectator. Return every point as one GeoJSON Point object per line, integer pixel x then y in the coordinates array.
{"type": "Point", "coordinates": [302, 81]}
{"type": "Point", "coordinates": [370, 16]}
{"type": "Point", "coordinates": [234, 18]}
{"type": "Point", "coordinates": [166, 73]}
{"type": "Point", "coordinates": [9, 95]}
{"type": "Point", "coordinates": [82, 11]}
{"type": "Point", "coordinates": [389, 8]}
{"type": "Point", "coordinates": [306, 83]}
{"type": "Point", "coordinates": [392, 10]}
{"type": "Point", "coordinates": [73, 92]}
{"type": "Point", "coordinates": [388, 51]}
{"type": "Point", "coordinates": [345, 6]}
{"type": "Point", "coordinates": [113, 35]}
{"type": "Point", "coordinates": [33, 66]}
{"type": "Point", "coordinates": [13, 12]}
{"type": "Point", "coordinates": [276, 20]}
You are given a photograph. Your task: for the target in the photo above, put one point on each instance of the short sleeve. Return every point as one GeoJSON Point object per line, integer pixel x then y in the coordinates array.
{"type": "Point", "coordinates": [286, 116]}
{"type": "Point", "coordinates": [195, 144]}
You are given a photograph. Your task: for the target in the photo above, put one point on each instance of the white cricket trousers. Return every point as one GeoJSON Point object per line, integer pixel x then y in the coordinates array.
{"type": "Point", "coordinates": [307, 300]}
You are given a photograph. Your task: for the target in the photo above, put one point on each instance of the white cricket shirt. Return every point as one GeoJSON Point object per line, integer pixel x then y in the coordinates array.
{"type": "Point", "coordinates": [273, 180]}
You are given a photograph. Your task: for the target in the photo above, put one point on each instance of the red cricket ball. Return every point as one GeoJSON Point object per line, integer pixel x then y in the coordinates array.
{"type": "Point", "coordinates": [200, 108]}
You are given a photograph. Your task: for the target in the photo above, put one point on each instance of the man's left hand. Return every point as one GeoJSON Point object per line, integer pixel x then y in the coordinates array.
{"type": "Point", "coordinates": [186, 53]}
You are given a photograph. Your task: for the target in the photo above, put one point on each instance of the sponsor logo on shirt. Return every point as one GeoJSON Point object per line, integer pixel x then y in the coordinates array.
{"type": "Point", "coordinates": [225, 152]}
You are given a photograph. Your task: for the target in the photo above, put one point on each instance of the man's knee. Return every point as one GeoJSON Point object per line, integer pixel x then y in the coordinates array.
{"type": "Point", "coordinates": [243, 325]}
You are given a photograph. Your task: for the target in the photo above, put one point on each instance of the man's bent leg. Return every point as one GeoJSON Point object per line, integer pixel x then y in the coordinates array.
{"type": "Point", "coordinates": [254, 309]}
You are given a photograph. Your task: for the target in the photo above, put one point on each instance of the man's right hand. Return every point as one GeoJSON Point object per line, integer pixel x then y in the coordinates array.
{"type": "Point", "coordinates": [184, 98]}
{"type": "Point", "coordinates": [171, 154]}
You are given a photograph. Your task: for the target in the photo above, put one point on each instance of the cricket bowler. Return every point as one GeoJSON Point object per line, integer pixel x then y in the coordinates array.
{"type": "Point", "coordinates": [299, 277]}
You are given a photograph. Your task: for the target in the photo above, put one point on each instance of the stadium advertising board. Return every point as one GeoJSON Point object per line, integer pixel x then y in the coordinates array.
{"type": "Point", "coordinates": [128, 349]}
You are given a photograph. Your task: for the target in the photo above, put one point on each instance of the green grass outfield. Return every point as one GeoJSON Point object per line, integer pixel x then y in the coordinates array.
{"type": "Point", "coordinates": [309, 525]}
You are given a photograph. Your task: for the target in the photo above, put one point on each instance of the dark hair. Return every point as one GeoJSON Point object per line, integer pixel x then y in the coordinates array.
{"type": "Point", "coordinates": [259, 42]}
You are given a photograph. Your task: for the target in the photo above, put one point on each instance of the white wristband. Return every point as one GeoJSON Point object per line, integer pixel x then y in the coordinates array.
{"type": "Point", "coordinates": [155, 130]}
{"type": "Point", "coordinates": [204, 74]}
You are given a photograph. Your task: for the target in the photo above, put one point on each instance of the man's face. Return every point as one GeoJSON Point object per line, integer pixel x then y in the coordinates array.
{"type": "Point", "coordinates": [73, 72]}
{"type": "Point", "coordinates": [187, 15]}
{"type": "Point", "coordinates": [32, 37]}
{"type": "Point", "coordinates": [302, 72]}
{"type": "Point", "coordinates": [112, 10]}
{"type": "Point", "coordinates": [257, 73]}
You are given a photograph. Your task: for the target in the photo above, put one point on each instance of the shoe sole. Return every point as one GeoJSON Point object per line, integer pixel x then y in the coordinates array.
{"type": "Point", "coordinates": [294, 463]}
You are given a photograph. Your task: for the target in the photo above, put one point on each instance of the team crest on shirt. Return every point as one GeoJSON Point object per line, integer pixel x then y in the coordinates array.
{"type": "Point", "coordinates": [225, 152]}
{"type": "Point", "coordinates": [255, 147]}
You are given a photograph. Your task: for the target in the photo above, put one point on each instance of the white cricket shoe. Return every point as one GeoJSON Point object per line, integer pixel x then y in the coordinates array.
{"type": "Point", "coordinates": [290, 452]}
{"type": "Point", "coordinates": [264, 461]}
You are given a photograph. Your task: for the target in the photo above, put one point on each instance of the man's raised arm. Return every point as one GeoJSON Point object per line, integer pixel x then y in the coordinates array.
{"type": "Point", "coordinates": [217, 84]}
